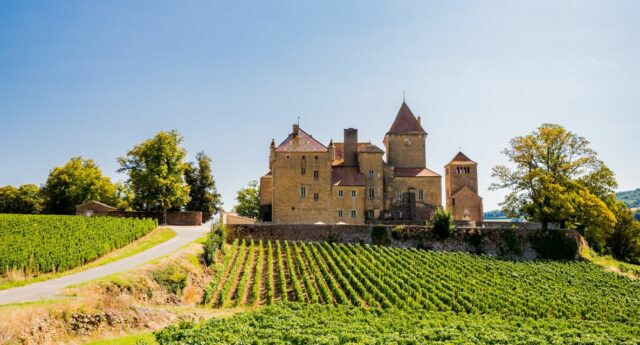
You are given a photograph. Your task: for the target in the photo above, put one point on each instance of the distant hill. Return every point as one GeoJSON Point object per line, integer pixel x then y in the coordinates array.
{"type": "Point", "coordinates": [631, 198]}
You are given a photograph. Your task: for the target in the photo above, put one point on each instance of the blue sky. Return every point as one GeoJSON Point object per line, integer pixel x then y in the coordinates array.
{"type": "Point", "coordinates": [93, 78]}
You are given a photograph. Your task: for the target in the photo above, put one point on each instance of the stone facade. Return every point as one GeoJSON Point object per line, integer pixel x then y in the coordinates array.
{"type": "Point", "coordinates": [352, 182]}
{"type": "Point", "coordinates": [461, 189]}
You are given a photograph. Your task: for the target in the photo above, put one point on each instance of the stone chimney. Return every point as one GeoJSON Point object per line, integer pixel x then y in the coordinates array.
{"type": "Point", "coordinates": [296, 129]}
{"type": "Point", "coordinates": [419, 121]}
{"type": "Point", "coordinates": [272, 153]}
{"type": "Point", "coordinates": [350, 147]}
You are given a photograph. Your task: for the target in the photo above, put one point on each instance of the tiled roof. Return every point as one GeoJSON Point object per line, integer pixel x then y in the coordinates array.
{"type": "Point", "coordinates": [461, 158]}
{"type": "Point", "coordinates": [303, 142]}
{"type": "Point", "coordinates": [362, 147]}
{"type": "Point", "coordinates": [405, 122]}
{"type": "Point", "coordinates": [414, 172]}
{"type": "Point", "coordinates": [370, 148]}
{"type": "Point", "coordinates": [347, 176]}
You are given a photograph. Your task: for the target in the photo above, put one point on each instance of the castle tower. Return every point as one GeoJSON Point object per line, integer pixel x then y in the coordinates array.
{"type": "Point", "coordinates": [461, 188]}
{"type": "Point", "coordinates": [405, 141]}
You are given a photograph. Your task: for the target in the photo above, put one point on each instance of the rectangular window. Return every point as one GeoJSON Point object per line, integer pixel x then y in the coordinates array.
{"type": "Point", "coordinates": [453, 201]}
{"type": "Point", "coordinates": [303, 171]}
{"type": "Point", "coordinates": [370, 214]}
{"type": "Point", "coordinates": [372, 193]}
{"type": "Point", "coordinates": [398, 195]}
{"type": "Point", "coordinates": [340, 193]}
{"type": "Point", "coordinates": [340, 213]}
{"type": "Point", "coordinates": [353, 214]}
{"type": "Point", "coordinates": [398, 215]}
{"type": "Point", "coordinates": [371, 173]}
{"type": "Point", "coordinates": [421, 194]}
{"type": "Point", "coordinates": [316, 174]}
{"type": "Point", "coordinates": [316, 196]}
{"type": "Point", "coordinates": [353, 193]}
{"type": "Point", "coordinates": [303, 192]}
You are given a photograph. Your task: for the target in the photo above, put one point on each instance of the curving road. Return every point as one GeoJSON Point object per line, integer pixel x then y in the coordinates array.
{"type": "Point", "coordinates": [50, 289]}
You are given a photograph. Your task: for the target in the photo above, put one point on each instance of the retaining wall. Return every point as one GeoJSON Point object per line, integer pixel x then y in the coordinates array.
{"type": "Point", "coordinates": [498, 241]}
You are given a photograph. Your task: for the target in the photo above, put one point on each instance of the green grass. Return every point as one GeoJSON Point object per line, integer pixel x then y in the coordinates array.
{"type": "Point", "coordinates": [132, 339]}
{"type": "Point", "coordinates": [150, 240]}
{"type": "Point", "coordinates": [608, 262]}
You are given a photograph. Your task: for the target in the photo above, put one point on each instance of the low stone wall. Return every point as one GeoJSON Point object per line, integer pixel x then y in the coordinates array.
{"type": "Point", "coordinates": [514, 242]}
{"type": "Point", "coordinates": [184, 218]}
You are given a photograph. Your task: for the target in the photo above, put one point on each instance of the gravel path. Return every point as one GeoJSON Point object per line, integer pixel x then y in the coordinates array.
{"type": "Point", "coordinates": [50, 289]}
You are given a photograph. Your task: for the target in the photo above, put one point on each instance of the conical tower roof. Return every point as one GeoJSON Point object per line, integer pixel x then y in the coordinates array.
{"type": "Point", "coordinates": [405, 122]}
{"type": "Point", "coordinates": [461, 158]}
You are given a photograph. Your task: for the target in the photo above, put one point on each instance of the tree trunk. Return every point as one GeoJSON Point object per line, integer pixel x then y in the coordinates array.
{"type": "Point", "coordinates": [164, 216]}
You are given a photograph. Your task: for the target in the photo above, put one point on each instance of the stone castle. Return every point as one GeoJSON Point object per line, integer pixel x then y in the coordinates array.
{"type": "Point", "coordinates": [355, 182]}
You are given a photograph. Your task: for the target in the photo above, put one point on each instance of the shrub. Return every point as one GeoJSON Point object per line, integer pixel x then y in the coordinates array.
{"type": "Point", "coordinates": [214, 243]}
{"type": "Point", "coordinates": [475, 239]}
{"type": "Point", "coordinates": [397, 232]}
{"type": "Point", "coordinates": [553, 244]}
{"type": "Point", "coordinates": [511, 244]}
{"type": "Point", "coordinates": [442, 223]}
{"type": "Point", "coordinates": [172, 279]}
{"type": "Point", "coordinates": [380, 236]}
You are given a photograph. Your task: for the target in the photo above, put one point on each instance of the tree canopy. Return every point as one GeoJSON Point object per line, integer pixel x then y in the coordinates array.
{"type": "Point", "coordinates": [76, 182]}
{"type": "Point", "coordinates": [558, 178]}
{"type": "Point", "coordinates": [156, 171]}
{"type": "Point", "coordinates": [248, 199]}
{"type": "Point", "coordinates": [24, 199]}
{"type": "Point", "coordinates": [203, 195]}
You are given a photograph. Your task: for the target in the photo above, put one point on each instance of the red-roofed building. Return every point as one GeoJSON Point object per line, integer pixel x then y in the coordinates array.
{"type": "Point", "coordinates": [351, 182]}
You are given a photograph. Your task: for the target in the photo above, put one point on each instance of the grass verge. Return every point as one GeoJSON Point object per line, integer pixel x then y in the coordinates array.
{"type": "Point", "coordinates": [131, 339]}
{"type": "Point", "coordinates": [150, 240]}
{"type": "Point", "coordinates": [610, 264]}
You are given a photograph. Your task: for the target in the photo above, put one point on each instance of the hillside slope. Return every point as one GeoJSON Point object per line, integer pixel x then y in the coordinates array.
{"type": "Point", "coordinates": [631, 198]}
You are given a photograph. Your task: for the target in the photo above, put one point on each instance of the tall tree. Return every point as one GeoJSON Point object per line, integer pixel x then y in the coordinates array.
{"type": "Point", "coordinates": [248, 199]}
{"type": "Point", "coordinates": [76, 182]}
{"type": "Point", "coordinates": [203, 195]}
{"type": "Point", "coordinates": [7, 197]}
{"type": "Point", "coordinates": [156, 173]}
{"type": "Point", "coordinates": [557, 178]}
{"type": "Point", "coordinates": [625, 240]}
{"type": "Point", "coordinates": [28, 199]}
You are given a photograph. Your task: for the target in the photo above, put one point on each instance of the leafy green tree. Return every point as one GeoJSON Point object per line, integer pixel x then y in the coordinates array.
{"type": "Point", "coordinates": [248, 199]}
{"type": "Point", "coordinates": [624, 243]}
{"type": "Point", "coordinates": [156, 170]}
{"type": "Point", "coordinates": [76, 182]}
{"type": "Point", "coordinates": [124, 196]}
{"type": "Point", "coordinates": [442, 223]}
{"type": "Point", "coordinates": [558, 179]}
{"type": "Point", "coordinates": [7, 197]}
{"type": "Point", "coordinates": [203, 195]}
{"type": "Point", "coordinates": [28, 199]}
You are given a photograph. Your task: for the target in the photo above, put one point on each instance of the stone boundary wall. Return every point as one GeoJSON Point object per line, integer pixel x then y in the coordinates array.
{"type": "Point", "coordinates": [495, 241]}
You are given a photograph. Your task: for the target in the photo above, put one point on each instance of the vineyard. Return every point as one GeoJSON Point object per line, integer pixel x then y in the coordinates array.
{"type": "Point", "coordinates": [39, 243]}
{"type": "Point", "coordinates": [293, 323]}
{"type": "Point", "coordinates": [264, 273]}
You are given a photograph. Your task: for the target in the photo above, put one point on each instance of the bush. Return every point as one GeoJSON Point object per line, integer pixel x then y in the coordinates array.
{"type": "Point", "coordinates": [380, 236]}
{"type": "Point", "coordinates": [511, 244]}
{"type": "Point", "coordinates": [397, 232]}
{"type": "Point", "coordinates": [214, 243]}
{"type": "Point", "coordinates": [553, 244]}
{"type": "Point", "coordinates": [442, 223]}
{"type": "Point", "coordinates": [172, 279]}
{"type": "Point", "coordinates": [475, 239]}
